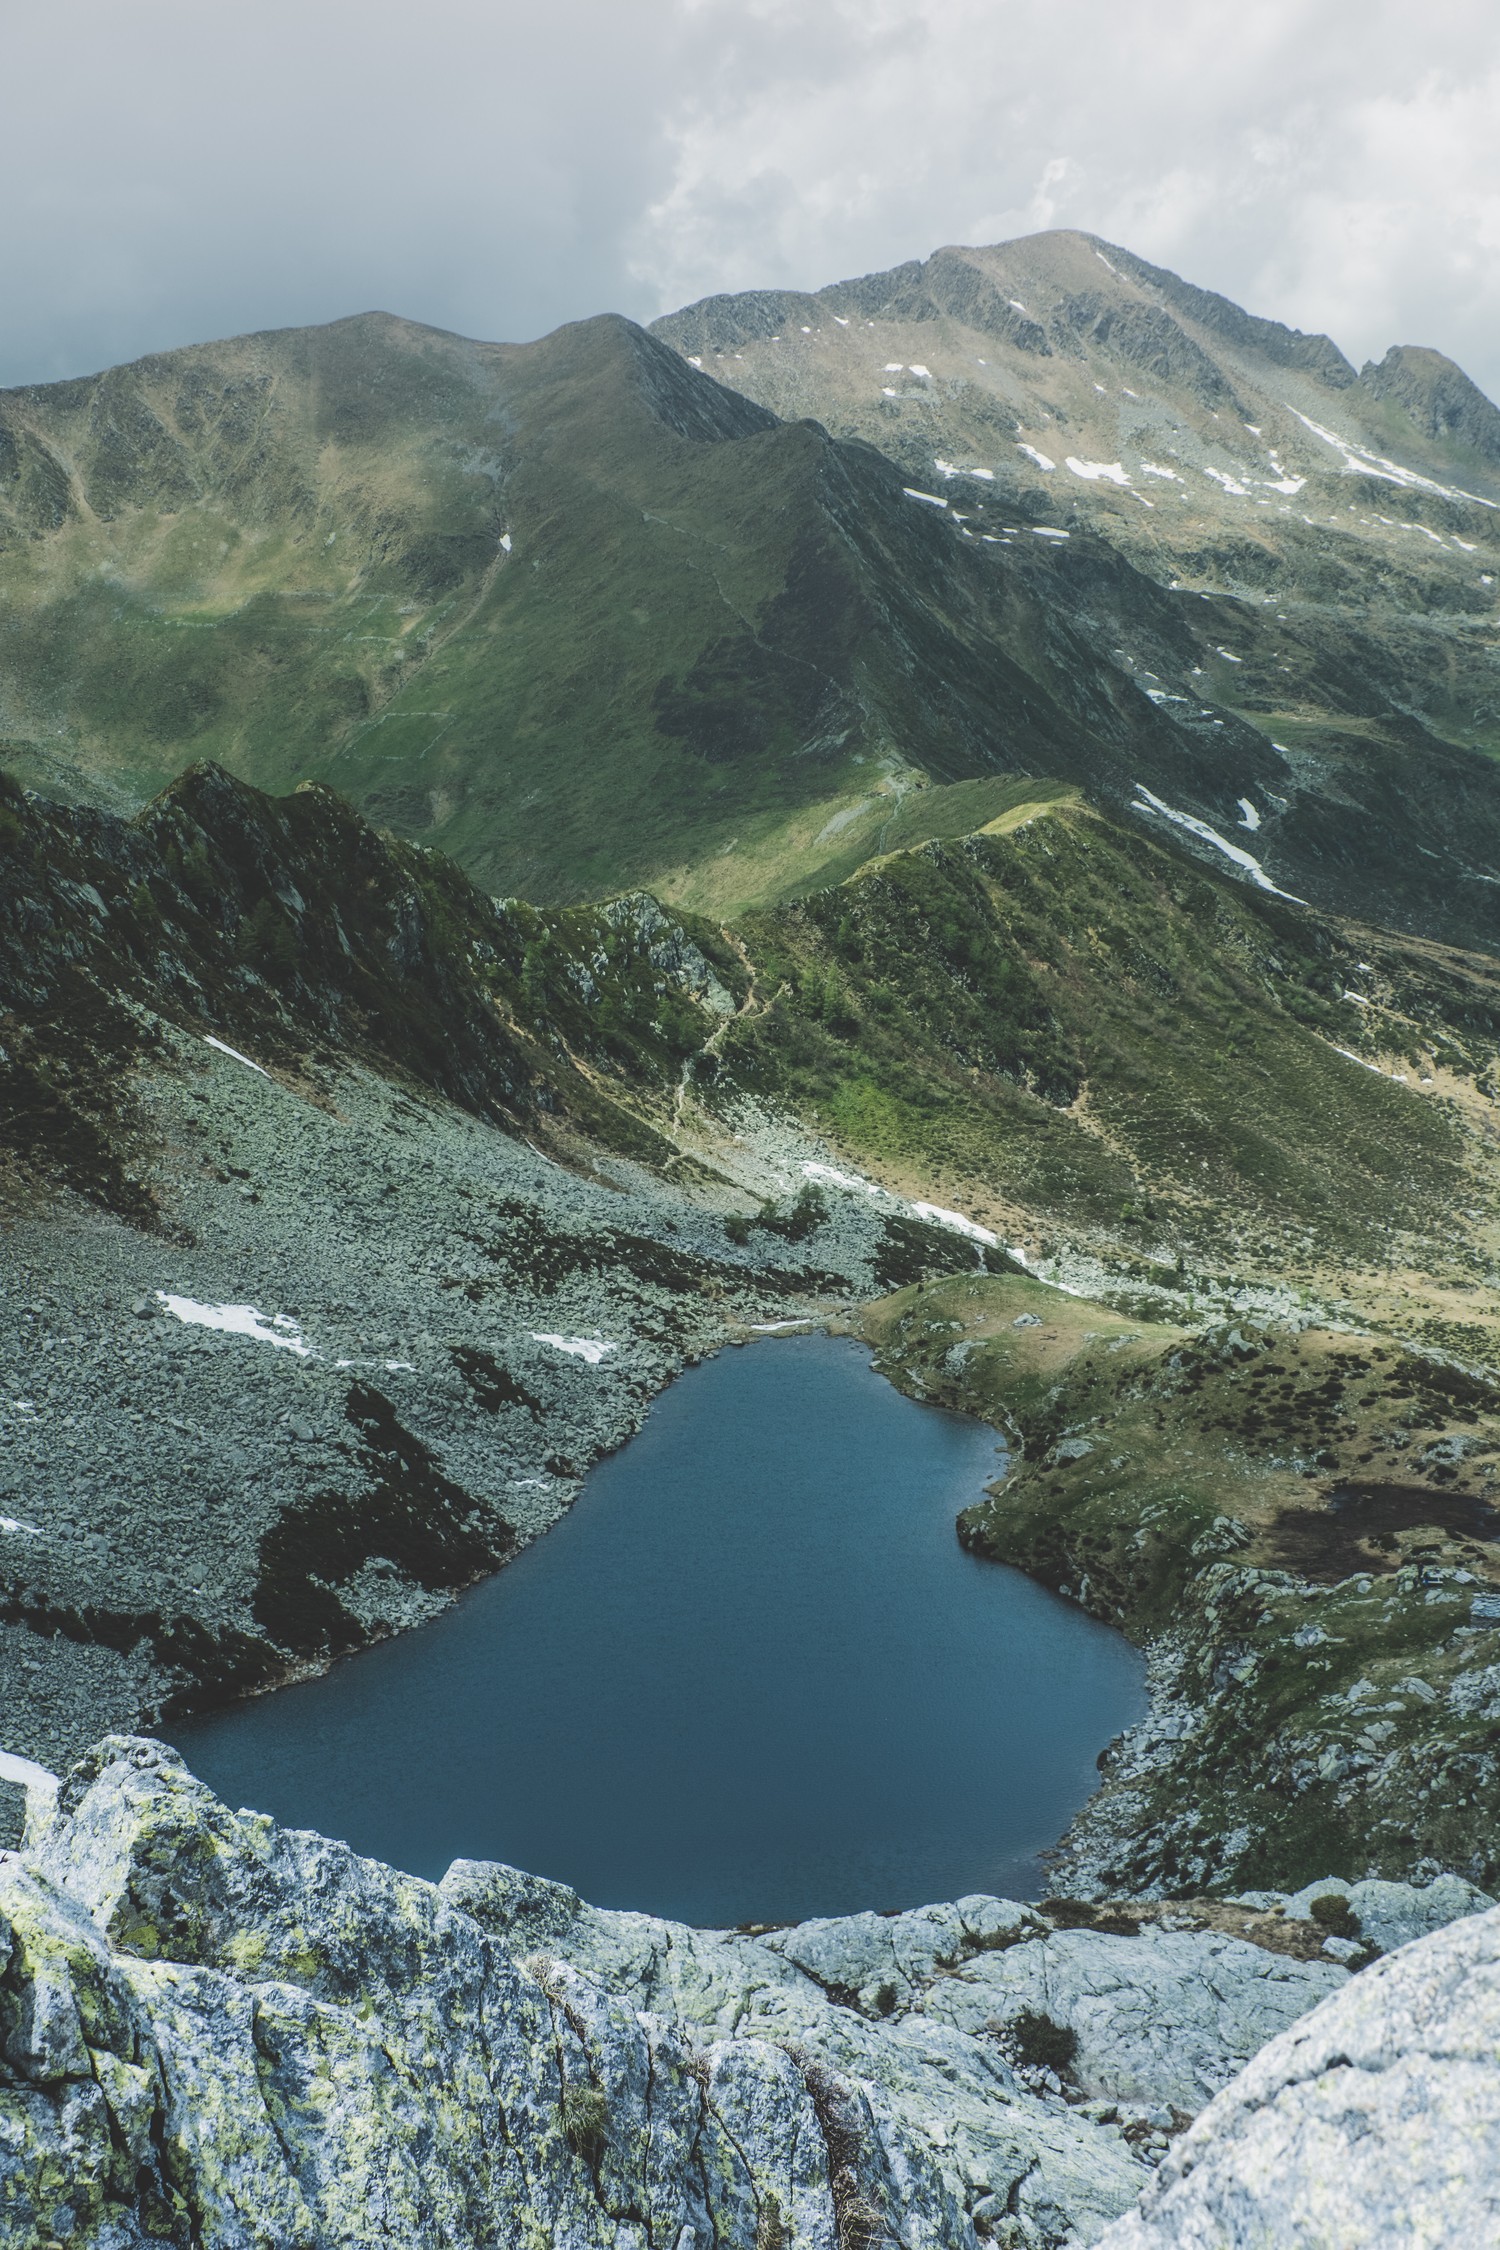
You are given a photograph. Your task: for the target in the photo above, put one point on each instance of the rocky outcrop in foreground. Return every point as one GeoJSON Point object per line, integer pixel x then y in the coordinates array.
{"type": "Point", "coordinates": [1374, 2121]}
{"type": "Point", "coordinates": [217, 2032]}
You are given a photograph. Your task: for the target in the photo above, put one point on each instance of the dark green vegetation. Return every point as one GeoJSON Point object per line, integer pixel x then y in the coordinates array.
{"type": "Point", "coordinates": [1036, 2039]}
{"type": "Point", "coordinates": [411, 1513]}
{"type": "Point", "coordinates": [1296, 1523]}
{"type": "Point", "coordinates": [291, 927]}
{"type": "Point", "coordinates": [1316, 552]}
{"type": "Point", "coordinates": [1066, 1029]}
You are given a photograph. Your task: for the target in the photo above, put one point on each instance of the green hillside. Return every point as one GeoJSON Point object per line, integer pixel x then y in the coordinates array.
{"type": "Point", "coordinates": [570, 609]}
{"type": "Point", "coordinates": [1064, 1031]}
{"type": "Point", "coordinates": [588, 619]}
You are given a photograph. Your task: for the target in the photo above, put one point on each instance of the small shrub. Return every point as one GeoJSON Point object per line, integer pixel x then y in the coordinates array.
{"type": "Point", "coordinates": [996, 1941]}
{"type": "Point", "coordinates": [144, 907]}
{"type": "Point", "coordinates": [585, 2120]}
{"type": "Point", "coordinates": [1041, 2043]}
{"type": "Point", "coordinates": [886, 1997]}
{"type": "Point", "coordinates": [266, 940]}
{"type": "Point", "coordinates": [1333, 1913]}
{"type": "Point", "coordinates": [737, 1228]}
{"type": "Point", "coordinates": [809, 1211]}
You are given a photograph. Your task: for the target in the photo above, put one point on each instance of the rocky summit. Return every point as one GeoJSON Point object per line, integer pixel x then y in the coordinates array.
{"type": "Point", "coordinates": [958, 809]}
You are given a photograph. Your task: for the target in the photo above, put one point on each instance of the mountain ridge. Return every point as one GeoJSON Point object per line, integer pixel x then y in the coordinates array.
{"type": "Point", "coordinates": [1326, 543]}
{"type": "Point", "coordinates": [590, 618]}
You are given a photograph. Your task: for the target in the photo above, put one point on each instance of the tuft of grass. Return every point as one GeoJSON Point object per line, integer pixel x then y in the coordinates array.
{"type": "Point", "coordinates": [1040, 2042]}
{"type": "Point", "coordinates": [585, 2121]}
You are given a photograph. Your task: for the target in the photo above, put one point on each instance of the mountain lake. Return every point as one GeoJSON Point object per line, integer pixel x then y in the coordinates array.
{"type": "Point", "coordinates": [750, 1676]}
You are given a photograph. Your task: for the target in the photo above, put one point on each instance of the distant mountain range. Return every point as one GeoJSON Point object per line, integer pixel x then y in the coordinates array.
{"type": "Point", "coordinates": [717, 609]}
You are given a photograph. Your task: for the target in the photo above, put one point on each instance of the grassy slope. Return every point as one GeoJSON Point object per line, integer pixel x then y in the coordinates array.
{"type": "Point", "coordinates": [718, 653]}
{"type": "Point", "coordinates": [1189, 1485]}
{"type": "Point", "coordinates": [287, 553]}
{"type": "Point", "coordinates": [1067, 1031]}
{"type": "Point", "coordinates": [1055, 1024]}
{"type": "Point", "coordinates": [1358, 612]}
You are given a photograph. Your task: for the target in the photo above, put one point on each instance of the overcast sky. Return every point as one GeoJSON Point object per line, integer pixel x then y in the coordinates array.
{"type": "Point", "coordinates": [172, 170]}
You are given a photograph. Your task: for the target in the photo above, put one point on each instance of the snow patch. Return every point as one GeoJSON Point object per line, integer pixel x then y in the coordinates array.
{"type": "Point", "coordinates": [924, 374]}
{"type": "Point", "coordinates": [21, 1530]}
{"type": "Point", "coordinates": [26, 1773]}
{"type": "Point", "coordinates": [1112, 472]}
{"type": "Point", "coordinates": [938, 1217]}
{"type": "Point", "coordinates": [1040, 459]}
{"type": "Point", "coordinates": [505, 541]}
{"type": "Point", "coordinates": [238, 1320]}
{"type": "Point", "coordinates": [1230, 484]}
{"type": "Point", "coordinates": [234, 1054]}
{"type": "Point", "coordinates": [841, 1179]}
{"type": "Point", "coordinates": [1348, 1057]}
{"type": "Point", "coordinates": [577, 1347]}
{"type": "Point", "coordinates": [934, 499]}
{"type": "Point", "coordinates": [1358, 461]}
{"type": "Point", "coordinates": [1154, 469]}
{"type": "Point", "coordinates": [1249, 816]}
{"type": "Point", "coordinates": [1049, 531]}
{"type": "Point", "coordinates": [1200, 828]}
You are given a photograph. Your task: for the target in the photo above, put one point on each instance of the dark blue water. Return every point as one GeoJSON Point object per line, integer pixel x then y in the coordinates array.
{"type": "Point", "coordinates": [752, 1676]}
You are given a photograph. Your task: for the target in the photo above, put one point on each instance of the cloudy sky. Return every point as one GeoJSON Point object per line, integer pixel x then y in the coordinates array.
{"type": "Point", "coordinates": [177, 169]}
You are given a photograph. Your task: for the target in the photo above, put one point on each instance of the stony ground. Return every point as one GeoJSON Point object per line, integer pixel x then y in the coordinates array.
{"type": "Point", "coordinates": [219, 2032]}
{"type": "Point", "coordinates": [189, 1508]}
{"type": "Point", "coordinates": [311, 1318]}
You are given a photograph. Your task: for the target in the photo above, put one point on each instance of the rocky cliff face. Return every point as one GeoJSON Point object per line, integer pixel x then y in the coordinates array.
{"type": "Point", "coordinates": [215, 2033]}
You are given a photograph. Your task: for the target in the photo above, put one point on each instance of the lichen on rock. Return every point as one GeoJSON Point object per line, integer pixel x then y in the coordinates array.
{"type": "Point", "coordinates": [217, 2033]}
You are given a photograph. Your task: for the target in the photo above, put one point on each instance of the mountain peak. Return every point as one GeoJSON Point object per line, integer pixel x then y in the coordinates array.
{"type": "Point", "coordinates": [1443, 402]}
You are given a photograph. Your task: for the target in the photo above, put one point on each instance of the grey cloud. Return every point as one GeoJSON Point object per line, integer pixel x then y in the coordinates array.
{"type": "Point", "coordinates": [172, 172]}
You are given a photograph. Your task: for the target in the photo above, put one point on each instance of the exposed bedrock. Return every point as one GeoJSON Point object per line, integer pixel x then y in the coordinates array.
{"type": "Point", "coordinates": [217, 2032]}
{"type": "Point", "coordinates": [1375, 2120]}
